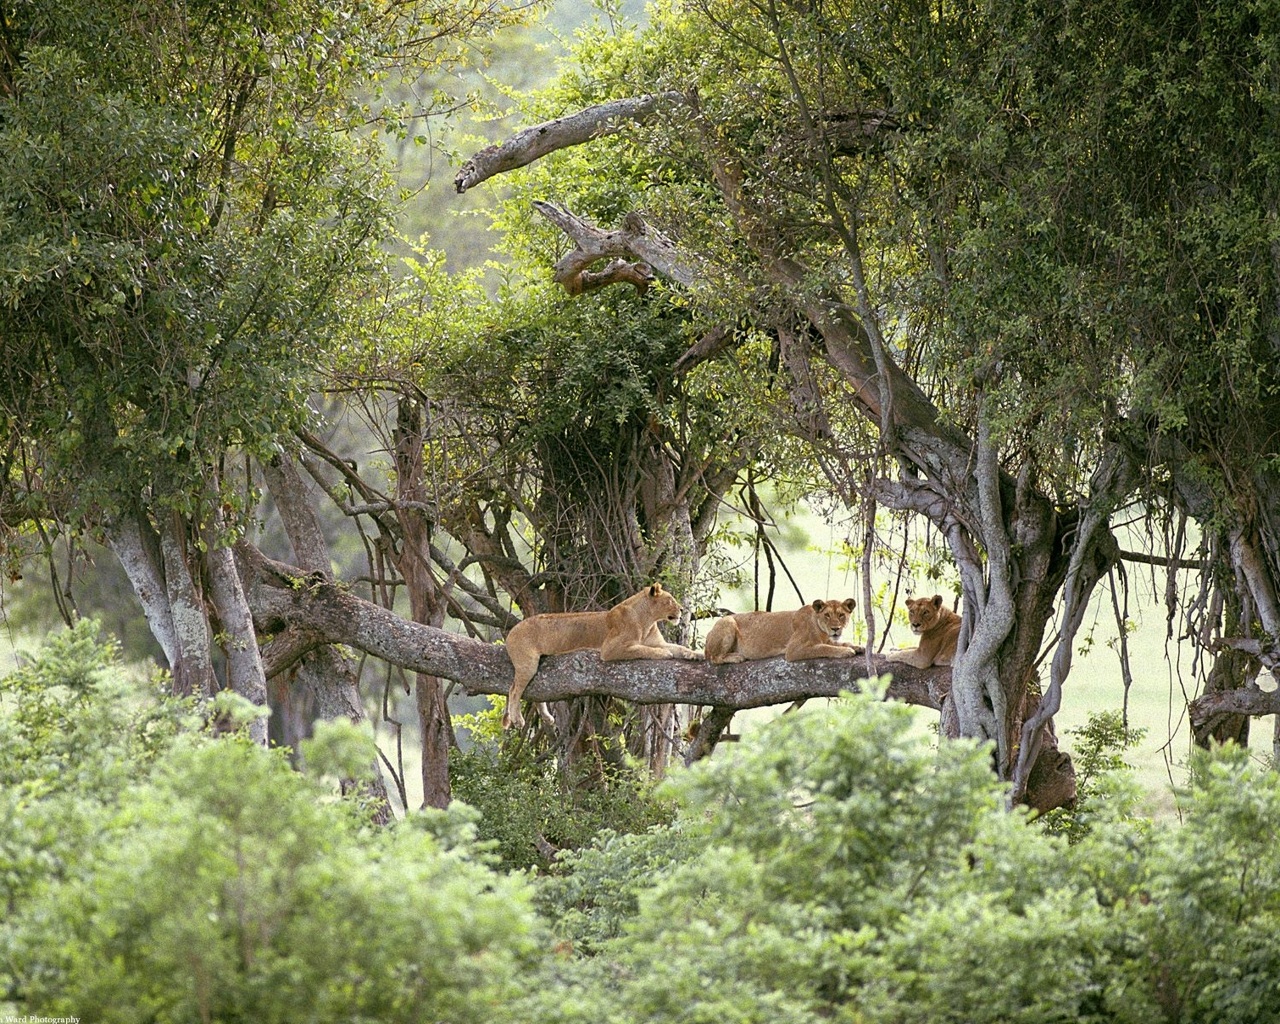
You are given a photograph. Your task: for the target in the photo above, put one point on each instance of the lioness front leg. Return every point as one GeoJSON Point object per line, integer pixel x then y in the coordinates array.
{"type": "Point", "coordinates": [823, 651]}
{"type": "Point", "coordinates": [911, 656]}
{"type": "Point", "coordinates": [653, 638]}
{"type": "Point", "coordinates": [637, 651]}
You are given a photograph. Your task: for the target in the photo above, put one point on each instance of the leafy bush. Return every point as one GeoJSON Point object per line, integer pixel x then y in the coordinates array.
{"type": "Point", "coordinates": [75, 733]}
{"type": "Point", "coordinates": [204, 879]}
{"type": "Point", "coordinates": [834, 866]}
{"type": "Point", "coordinates": [529, 810]}
{"type": "Point", "coordinates": [1099, 756]}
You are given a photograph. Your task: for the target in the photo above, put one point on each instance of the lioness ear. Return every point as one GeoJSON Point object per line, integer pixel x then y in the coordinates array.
{"type": "Point", "coordinates": [850, 604]}
{"type": "Point", "coordinates": [817, 605]}
{"type": "Point", "coordinates": [937, 600]}
{"type": "Point", "coordinates": [656, 589]}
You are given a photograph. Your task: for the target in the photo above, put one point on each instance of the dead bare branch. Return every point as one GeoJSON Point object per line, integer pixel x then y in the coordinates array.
{"type": "Point", "coordinates": [533, 143]}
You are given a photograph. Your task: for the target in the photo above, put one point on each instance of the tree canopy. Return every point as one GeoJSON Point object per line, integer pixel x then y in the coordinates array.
{"type": "Point", "coordinates": [1038, 247]}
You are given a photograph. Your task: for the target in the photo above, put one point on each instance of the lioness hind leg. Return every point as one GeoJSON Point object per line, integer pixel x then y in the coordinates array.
{"type": "Point", "coordinates": [723, 642]}
{"type": "Point", "coordinates": [525, 664]}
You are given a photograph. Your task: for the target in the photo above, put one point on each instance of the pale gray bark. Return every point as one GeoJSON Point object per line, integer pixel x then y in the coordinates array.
{"type": "Point", "coordinates": [980, 699]}
{"type": "Point", "coordinates": [533, 143]}
{"type": "Point", "coordinates": [1093, 553]}
{"type": "Point", "coordinates": [297, 514]}
{"type": "Point", "coordinates": [239, 641]}
{"type": "Point", "coordinates": [635, 240]}
{"type": "Point", "coordinates": [138, 549]}
{"type": "Point", "coordinates": [427, 598]}
{"type": "Point", "coordinates": [1250, 566]}
{"type": "Point", "coordinates": [193, 667]}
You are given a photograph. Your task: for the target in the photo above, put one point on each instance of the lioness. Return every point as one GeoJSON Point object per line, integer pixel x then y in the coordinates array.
{"type": "Point", "coordinates": [938, 629]}
{"type": "Point", "coordinates": [811, 632]}
{"type": "Point", "coordinates": [625, 632]}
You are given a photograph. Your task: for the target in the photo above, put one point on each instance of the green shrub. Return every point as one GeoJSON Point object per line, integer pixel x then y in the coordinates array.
{"type": "Point", "coordinates": [834, 866]}
{"type": "Point", "coordinates": [225, 889]}
{"type": "Point", "coordinates": [1098, 755]}
{"type": "Point", "coordinates": [529, 810]}
{"type": "Point", "coordinates": [204, 879]}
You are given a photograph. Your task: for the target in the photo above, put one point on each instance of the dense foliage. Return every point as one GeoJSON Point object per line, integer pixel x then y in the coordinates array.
{"type": "Point", "coordinates": [151, 871]}
{"type": "Point", "coordinates": [1003, 267]}
{"type": "Point", "coordinates": [532, 806]}
{"type": "Point", "coordinates": [835, 865]}
{"type": "Point", "coordinates": [838, 868]}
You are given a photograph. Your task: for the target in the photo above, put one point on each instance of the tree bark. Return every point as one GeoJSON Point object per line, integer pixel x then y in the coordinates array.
{"type": "Point", "coordinates": [308, 678]}
{"type": "Point", "coordinates": [193, 672]}
{"type": "Point", "coordinates": [1207, 709]}
{"type": "Point", "coordinates": [136, 545]}
{"type": "Point", "coordinates": [635, 240]}
{"type": "Point", "coordinates": [538, 140]}
{"type": "Point", "coordinates": [239, 641]}
{"type": "Point", "coordinates": [426, 599]}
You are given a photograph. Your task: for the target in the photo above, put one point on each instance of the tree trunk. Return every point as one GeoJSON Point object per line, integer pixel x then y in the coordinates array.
{"type": "Point", "coordinates": [157, 567]}
{"type": "Point", "coordinates": [427, 603]}
{"type": "Point", "coordinates": [193, 673]}
{"type": "Point", "coordinates": [245, 674]}
{"type": "Point", "coordinates": [321, 682]}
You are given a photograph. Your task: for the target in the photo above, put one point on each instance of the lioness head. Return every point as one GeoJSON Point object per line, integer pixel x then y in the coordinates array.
{"type": "Point", "coordinates": [923, 612]}
{"type": "Point", "coordinates": [664, 605]}
{"type": "Point", "coordinates": [833, 616]}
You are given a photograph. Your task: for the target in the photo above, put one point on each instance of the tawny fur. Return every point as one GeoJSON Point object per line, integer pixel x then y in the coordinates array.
{"type": "Point", "coordinates": [811, 632]}
{"type": "Point", "coordinates": [625, 632]}
{"type": "Point", "coordinates": [938, 628]}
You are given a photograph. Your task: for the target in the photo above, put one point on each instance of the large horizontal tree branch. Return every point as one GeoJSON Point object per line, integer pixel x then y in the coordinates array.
{"type": "Point", "coordinates": [846, 133]}
{"type": "Point", "coordinates": [1246, 700]}
{"type": "Point", "coordinates": [285, 598]}
{"type": "Point", "coordinates": [533, 143]}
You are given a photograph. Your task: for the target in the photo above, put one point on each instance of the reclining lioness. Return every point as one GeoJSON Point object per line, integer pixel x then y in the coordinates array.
{"type": "Point", "coordinates": [626, 632]}
{"type": "Point", "coordinates": [812, 632]}
{"type": "Point", "coordinates": [938, 628]}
